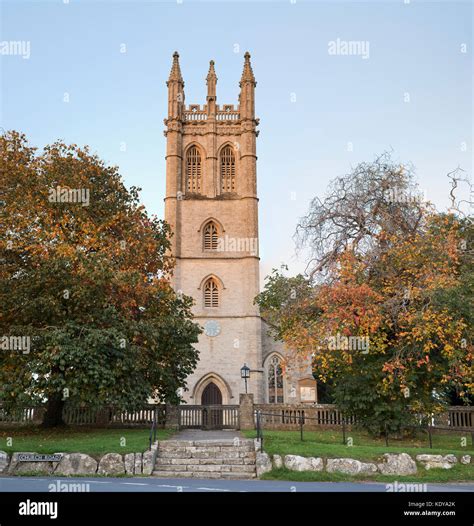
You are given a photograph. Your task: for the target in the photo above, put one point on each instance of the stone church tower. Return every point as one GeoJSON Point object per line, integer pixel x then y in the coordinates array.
{"type": "Point", "coordinates": [212, 206]}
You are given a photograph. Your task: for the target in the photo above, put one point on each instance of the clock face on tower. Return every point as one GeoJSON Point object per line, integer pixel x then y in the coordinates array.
{"type": "Point", "coordinates": [212, 328]}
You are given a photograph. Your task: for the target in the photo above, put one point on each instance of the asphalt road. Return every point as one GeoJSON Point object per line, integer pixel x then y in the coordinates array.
{"type": "Point", "coordinates": [140, 484]}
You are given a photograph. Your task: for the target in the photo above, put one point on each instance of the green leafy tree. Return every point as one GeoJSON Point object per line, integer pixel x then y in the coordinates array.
{"type": "Point", "coordinates": [85, 280]}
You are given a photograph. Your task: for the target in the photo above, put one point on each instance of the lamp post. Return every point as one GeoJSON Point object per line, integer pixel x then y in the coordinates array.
{"type": "Point", "coordinates": [245, 374]}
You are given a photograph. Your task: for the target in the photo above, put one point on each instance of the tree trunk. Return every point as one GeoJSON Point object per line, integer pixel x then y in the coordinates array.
{"type": "Point", "coordinates": [53, 417]}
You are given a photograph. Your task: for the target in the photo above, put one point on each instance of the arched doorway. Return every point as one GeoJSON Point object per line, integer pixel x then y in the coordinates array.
{"type": "Point", "coordinates": [211, 395]}
{"type": "Point", "coordinates": [211, 415]}
{"type": "Point", "coordinates": [218, 381]}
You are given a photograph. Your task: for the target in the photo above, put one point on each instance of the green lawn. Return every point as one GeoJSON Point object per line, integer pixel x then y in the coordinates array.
{"type": "Point", "coordinates": [91, 441]}
{"type": "Point", "coordinates": [328, 444]}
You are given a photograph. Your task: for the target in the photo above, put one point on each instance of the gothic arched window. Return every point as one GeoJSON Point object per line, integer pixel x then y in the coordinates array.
{"type": "Point", "coordinates": [211, 293]}
{"type": "Point", "coordinates": [210, 236]}
{"type": "Point", "coordinates": [193, 170]}
{"type": "Point", "coordinates": [275, 381]}
{"type": "Point", "coordinates": [227, 169]}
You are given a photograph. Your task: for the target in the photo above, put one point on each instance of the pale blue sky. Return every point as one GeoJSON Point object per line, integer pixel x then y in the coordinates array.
{"type": "Point", "coordinates": [311, 104]}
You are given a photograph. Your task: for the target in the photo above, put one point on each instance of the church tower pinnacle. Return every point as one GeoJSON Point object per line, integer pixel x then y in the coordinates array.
{"type": "Point", "coordinates": [175, 73]}
{"type": "Point", "coordinates": [211, 82]}
{"type": "Point", "coordinates": [247, 90]}
{"type": "Point", "coordinates": [175, 89]}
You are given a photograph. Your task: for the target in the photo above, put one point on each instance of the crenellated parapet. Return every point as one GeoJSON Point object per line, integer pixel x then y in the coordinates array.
{"type": "Point", "coordinates": [195, 114]}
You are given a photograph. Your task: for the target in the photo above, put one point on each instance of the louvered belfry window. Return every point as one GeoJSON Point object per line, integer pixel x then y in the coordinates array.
{"type": "Point", "coordinates": [211, 236]}
{"type": "Point", "coordinates": [211, 293]}
{"type": "Point", "coordinates": [227, 170]}
{"type": "Point", "coordinates": [193, 170]}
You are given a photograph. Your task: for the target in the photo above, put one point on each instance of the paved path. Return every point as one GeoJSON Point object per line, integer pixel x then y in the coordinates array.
{"type": "Point", "coordinates": [199, 434]}
{"type": "Point", "coordinates": [141, 484]}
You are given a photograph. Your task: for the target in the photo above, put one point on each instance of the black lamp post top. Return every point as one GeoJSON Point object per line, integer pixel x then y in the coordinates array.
{"type": "Point", "coordinates": [245, 371]}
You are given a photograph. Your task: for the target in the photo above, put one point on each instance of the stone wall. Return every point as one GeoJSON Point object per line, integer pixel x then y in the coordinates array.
{"type": "Point", "coordinates": [71, 464]}
{"type": "Point", "coordinates": [389, 464]}
{"type": "Point", "coordinates": [130, 464]}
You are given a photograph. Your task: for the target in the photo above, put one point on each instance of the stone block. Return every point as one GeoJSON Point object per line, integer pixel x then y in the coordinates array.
{"type": "Point", "coordinates": [76, 464]}
{"type": "Point", "coordinates": [173, 454]}
{"type": "Point", "coordinates": [148, 460]}
{"type": "Point", "coordinates": [129, 463]}
{"type": "Point", "coordinates": [350, 466]}
{"type": "Point", "coordinates": [243, 469]}
{"type": "Point", "coordinates": [277, 461]}
{"type": "Point", "coordinates": [437, 461]}
{"type": "Point", "coordinates": [298, 463]}
{"type": "Point", "coordinates": [138, 463]}
{"type": "Point", "coordinates": [263, 463]}
{"type": "Point", "coordinates": [208, 467]}
{"type": "Point", "coordinates": [397, 464]}
{"type": "Point", "coordinates": [111, 464]}
{"type": "Point", "coordinates": [207, 475]}
{"type": "Point", "coordinates": [171, 467]}
{"type": "Point", "coordinates": [4, 461]}
{"type": "Point", "coordinates": [185, 461]}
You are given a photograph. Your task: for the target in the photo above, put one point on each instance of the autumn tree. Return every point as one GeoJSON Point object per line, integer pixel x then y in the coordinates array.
{"type": "Point", "coordinates": [380, 313]}
{"type": "Point", "coordinates": [85, 280]}
{"type": "Point", "coordinates": [373, 198]}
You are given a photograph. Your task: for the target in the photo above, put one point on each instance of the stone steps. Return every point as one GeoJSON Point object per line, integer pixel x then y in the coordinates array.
{"type": "Point", "coordinates": [204, 461]}
{"type": "Point", "coordinates": [203, 475]}
{"type": "Point", "coordinates": [207, 459]}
